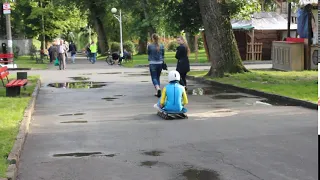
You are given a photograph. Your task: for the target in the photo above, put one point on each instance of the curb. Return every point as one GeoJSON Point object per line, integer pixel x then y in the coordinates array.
{"type": "Point", "coordinates": [275, 97]}
{"type": "Point", "coordinates": [19, 69]}
{"type": "Point", "coordinates": [208, 64]}
{"type": "Point", "coordinates": [14, 156]}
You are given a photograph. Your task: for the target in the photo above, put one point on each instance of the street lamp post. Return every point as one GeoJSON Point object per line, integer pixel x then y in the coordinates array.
{"type": "Point", "coordinates": [9, 35]}
{"type": "Point", "coordinates": [118, 17]}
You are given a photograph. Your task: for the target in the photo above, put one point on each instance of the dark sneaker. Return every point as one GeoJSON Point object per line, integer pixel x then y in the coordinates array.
{"type": "Point", "coordinates": [159, 93]}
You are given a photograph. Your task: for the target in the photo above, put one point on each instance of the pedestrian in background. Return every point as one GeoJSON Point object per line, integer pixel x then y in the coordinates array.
{"type": "Point", "coordinates": [183, 64]}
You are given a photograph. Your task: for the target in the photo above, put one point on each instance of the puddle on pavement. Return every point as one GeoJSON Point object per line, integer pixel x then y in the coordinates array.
{"type": "Point", "coordinates": [78, 85]}
{"type": "Point", "coordinates": [76, 122]}
{"type": "Point", "coordinates": [109, 155]}
{"type": "Point", "coordinates": [144, 81]}
{"type": "Point", "coordinates": [231, 96]}
{"type": "Point", "coordinates": [109, 98]}
{"type": "Point", "coordinates": [77, 154]}
{"type": "Point", "coordinates": [153, 153]}
{"type": "Point", "coordinates": [207, 91]}
{"type": "Point", "coordinates": [119, 95]}
{"type": "Point", "coordinates": [111, 73]}
{"type": "Point", "coordinates": [219, 107]}
{"type": "Point", "coordinates": [80, 78]}
{"type": "Point", "coordinates": [86, 74]}
{"type": "Point", "coordinates": [195, 174]}
{"type": "Point", "coordinates": [148, 163]}
{"type": "Point", "coordinates": [75, 114]}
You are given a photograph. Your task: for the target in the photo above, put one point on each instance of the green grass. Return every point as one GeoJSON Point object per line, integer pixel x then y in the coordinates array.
{"type": "Point", "coordinates": [300, 85]}
{"type": "Point", "coordinates": [27, 62]}
{"type": "Point", "coordinates": [169, 58]}
{"type": "Point", "coordinates": [11, 113]}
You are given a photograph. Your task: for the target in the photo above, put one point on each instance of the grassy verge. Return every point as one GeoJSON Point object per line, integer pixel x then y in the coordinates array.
{"type": "Point", "coordinates": [169, 58]}
{"type": "Point", "coordinates": [11, 113]}
{"type": "Point", "coordinates": [27, 62]}
{"type": "Point", "coordinates": [299, 85]}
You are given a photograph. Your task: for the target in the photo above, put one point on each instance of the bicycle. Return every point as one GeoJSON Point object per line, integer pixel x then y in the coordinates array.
{"type": "Point", "coordinates": [109, 59]}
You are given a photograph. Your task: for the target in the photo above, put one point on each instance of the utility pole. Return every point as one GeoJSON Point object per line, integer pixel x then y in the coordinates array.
{"type": "Point", "coordinates": [9, 35]}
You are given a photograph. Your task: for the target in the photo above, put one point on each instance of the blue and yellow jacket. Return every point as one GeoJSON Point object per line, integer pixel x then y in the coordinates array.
{"type": "Point", "coordinates": [173, 97]}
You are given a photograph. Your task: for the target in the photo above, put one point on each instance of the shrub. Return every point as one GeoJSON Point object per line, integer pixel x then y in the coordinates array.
{"type": "Point", "coordinates": [16, 51]}
{"type": "Point", "coordinates": [115, 47]}
{"type": "Point", "coordinates": [172, 46]}
{"type": "Point", "coordinates": [129, 46]}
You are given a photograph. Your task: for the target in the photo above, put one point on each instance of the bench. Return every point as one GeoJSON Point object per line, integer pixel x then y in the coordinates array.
{"type": "Point", "coordinates": [4, 58]}
{"type": "Point", "coordinates": [13, 87]}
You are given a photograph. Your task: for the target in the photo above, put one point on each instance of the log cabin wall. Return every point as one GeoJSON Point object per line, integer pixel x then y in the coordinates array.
{"type": "Point", "coordinates": [266, 37]}
{"type": "Point", "coordinates": [242, 39]}
{"type": "Point", "coordinates": [260, 36]}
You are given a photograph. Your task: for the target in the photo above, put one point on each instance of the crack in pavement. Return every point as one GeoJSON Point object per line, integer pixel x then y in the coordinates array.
{"type": "Point", "coordinates": [230, 164]}
{"type": "Point", "coordinates": [236, 167]}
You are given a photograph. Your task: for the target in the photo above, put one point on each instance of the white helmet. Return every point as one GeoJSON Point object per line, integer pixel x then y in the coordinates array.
{"type": "Point", "coordinates": [174, 76]}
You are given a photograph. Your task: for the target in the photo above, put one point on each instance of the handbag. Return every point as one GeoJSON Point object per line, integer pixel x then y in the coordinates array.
{"type": "Point", "coordinates": [56, 62]}
{"type": "Point", "coordinates": [164, 66]}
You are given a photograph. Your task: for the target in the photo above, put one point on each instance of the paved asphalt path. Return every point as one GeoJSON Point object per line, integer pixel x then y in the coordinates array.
{"type": "Point", "coordinates": [112, 132]}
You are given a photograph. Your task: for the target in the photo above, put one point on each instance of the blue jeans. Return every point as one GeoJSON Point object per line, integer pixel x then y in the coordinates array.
{"type": "Point", "coordinates": [155, 71]}
{"type": "Point", "coordinates": [73, 56]}
{"type": "Point", "coordinates": [93, 57]}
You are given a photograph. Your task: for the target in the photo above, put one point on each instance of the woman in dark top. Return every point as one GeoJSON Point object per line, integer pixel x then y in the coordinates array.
{"type": "Point", "coordinates": [183, 65]}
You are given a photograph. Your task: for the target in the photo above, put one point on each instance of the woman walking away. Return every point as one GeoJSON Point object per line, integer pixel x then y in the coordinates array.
{"type": "Point", "coordinates": [183, 65]}
{"type": "Point", "coordinates": [155, 57]}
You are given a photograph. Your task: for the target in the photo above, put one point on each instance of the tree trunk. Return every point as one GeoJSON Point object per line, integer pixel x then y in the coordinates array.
{"type": "Point", "coordinates": [143, 44]}
{"type": "Point", "coordinates": [222, 46]}
{"type": "Point", "coordinates": [190, 39]}
{"type": "Point", "coordinates": [262, 5]}
{"type": "Point", "coordinates": [102, 38]}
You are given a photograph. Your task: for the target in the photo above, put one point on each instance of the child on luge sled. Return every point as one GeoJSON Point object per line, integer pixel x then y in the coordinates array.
{"type": "Point", "coordinates": [174, 96]}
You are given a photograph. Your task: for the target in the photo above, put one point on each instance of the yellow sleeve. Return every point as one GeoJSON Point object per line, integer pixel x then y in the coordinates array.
{"type": "Point", "coordinates": [184, 97]}
{"type": "Point", "coordinates": [163, 96]}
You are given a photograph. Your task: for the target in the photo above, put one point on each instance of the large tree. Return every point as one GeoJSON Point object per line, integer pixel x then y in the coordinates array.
{"type": "Point", "coordinates": [222, 46]}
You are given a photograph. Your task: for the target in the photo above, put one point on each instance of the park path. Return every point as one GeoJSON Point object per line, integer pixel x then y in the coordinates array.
{"type": "Point", "coordinates": [111, 132]}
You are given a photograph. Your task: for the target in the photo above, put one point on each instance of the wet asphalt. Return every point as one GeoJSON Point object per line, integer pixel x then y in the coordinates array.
{"type": "Point", "coordinates": [104, 127]}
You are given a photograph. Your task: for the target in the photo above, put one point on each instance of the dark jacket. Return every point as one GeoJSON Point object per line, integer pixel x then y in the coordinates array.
{"type": "Point", "coordinates": [72, 48]}
{"type": "Point", "coordinates": [183, 65]}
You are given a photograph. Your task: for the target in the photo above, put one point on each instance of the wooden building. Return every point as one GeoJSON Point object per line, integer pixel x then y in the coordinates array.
{"type": "Point", "coordinates": [258, 34]}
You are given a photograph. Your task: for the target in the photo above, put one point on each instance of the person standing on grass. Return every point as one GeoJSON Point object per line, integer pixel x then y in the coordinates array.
{"type": "Point", "coordinates": [156, 58]}
{"type": "Point", "coordinates": [183, 64]}
{"type": "Point", "coordinates": [94, 49]}
{"type": "Point", "coordinates": [73, 51]}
